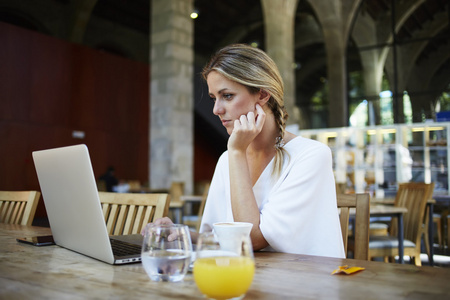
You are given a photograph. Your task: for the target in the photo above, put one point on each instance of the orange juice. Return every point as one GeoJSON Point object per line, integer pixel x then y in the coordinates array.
{"type": "Point", "coordinates": [224, 277]}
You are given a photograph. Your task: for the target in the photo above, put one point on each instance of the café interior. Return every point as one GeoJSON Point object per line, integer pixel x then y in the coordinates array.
{"type": "Point", "coordinates": [368, 78]}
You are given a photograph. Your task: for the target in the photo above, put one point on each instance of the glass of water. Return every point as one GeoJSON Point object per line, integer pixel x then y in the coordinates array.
{"type": "Point", "coordinates": [166, 251]}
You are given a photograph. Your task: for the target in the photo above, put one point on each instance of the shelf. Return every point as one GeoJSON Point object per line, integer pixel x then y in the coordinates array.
{"type": "Point", "coordinates": [374, 159]}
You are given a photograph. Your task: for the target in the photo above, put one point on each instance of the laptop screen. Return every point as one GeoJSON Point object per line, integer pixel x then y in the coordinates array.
{"type": "Point", "coordinates": [71, 199]}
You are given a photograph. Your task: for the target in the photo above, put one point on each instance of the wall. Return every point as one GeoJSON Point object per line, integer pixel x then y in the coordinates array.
{"type": "Point", "coordinates": [49, 88]}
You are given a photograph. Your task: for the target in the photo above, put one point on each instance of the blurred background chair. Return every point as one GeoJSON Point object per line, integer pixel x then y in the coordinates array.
{"type": "Point", "coordinates": [176, 205]}
{"type": "Point", "coordinates": [426, 237]}
{"type": "Point", "coordinates": [194, 221]}
{"type": "Point", "coordinates": [361, 203]}
{"type": "Point", "coordinates": [414, 197]}
{"type": "Point", "coordinates": [18, 207]}
{"type": "Point", "coordinates": [101, 185]}
{"type": "Point", "coordinates": [128, 213]}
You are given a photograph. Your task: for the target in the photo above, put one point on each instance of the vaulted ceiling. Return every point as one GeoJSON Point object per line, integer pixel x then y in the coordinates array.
{"type": "Point", "coordinates": [223, 22]}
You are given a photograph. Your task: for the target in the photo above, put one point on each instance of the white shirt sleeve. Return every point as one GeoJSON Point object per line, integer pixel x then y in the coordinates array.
{"type": "Point", "coordinates": [300, 214]}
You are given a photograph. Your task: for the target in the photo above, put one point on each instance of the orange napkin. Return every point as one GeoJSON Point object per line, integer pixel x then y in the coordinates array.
{"type": "Point", "coordinates": [347, 270]}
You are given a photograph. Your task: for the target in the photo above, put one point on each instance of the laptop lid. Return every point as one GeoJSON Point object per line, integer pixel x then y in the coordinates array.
{"type": "Point", "coordinates": [71, 199]}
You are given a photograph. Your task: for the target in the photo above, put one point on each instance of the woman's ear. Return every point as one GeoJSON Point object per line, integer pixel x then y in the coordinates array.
{"type": "Point", "coordinates": [264, 96]}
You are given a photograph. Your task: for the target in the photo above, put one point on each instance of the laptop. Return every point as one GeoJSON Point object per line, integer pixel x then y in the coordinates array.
{"type": "Point", "coordinates": [73, 206]}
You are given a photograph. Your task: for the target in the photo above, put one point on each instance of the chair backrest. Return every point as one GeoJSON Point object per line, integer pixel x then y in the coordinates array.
{"type": "Point", "coordinates": [128, 213]}
{"type": "Point", "coordinates": [361, 203]}
{"type": "Point", "coordinates": [101, 185]}
{"type": "Point", "coordinates": [176, 191]}
{"type": "Point", "coordinates": [413, 196]}
{"type": "Point", "coordinates": [202, 205]}
{"type": "Point", "coordinates": [18, 207]}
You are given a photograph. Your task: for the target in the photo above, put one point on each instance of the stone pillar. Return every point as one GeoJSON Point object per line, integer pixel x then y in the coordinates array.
{"type": "Point", "coordinates": [372, 60]}
{"type": "Point", "coordinates": [171, 94]}
{"type": "Point", "coordinates": [335, 18]}
{"type": "Point", "coordinates": [279, 20]}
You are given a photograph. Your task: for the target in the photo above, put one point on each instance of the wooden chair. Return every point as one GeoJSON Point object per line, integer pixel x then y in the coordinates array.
{"type": "Point", "coordinates": [176, 191]}
{"type": "Point", "coordinates": [361, 202]}
{"type": "Point", "coordinates": [134, 184]}
{"type": "Point", "coordinates": [18, 207]}
{"type": "Point", "coordinates": [196, 220]}
{"type": "Point", "coordinates": [414, 197]}
{"type": "Point", "coordinates": [101, 185]}
{"type": "Point", "coordinates": [176, 205]}
{"type": "Point", "coordinates": [128, 213]}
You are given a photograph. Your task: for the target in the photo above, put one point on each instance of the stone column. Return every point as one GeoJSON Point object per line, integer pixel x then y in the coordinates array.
{"type": "Point", "coordinates": [372, 60]}
{"type": "Point", "coordinates": [279, 19]}
{"type": "Point", "coordinates": [171, 94]}
{"type": "Point", "coordinates": [335, 18]}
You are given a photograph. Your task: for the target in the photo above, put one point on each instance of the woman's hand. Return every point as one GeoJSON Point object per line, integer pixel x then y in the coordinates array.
{"type": "Point", "coordinates": [163, 221]}
{"type": "Point", "coordinates": [246, 128]}
{"type": "Point", "coordinates": [159, 221]}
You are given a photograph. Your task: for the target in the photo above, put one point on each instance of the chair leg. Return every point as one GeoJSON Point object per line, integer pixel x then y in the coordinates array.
{"type": "Point", "coordinates": [448, 231]}
{"type": "Point", "coordinates": [417, 260]}
{"type": "Point", "coordinates": [439, 224]}
{"type": "Point", "coordinates": [426, 239]}
{"type": "Point", "coordinates": [437, 220]}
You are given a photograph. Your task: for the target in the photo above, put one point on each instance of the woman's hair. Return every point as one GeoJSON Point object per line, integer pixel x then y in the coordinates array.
{"type": "Point", "coordinates": [254, 69]}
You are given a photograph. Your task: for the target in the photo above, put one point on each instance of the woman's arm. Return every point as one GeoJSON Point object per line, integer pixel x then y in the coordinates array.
{"type": "Point", "coordinates": [243, 202]}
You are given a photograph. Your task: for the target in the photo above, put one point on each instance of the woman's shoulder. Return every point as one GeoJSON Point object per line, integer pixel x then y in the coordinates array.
{"type": "Point", "coordinates": [223, 156]}
{"type": "Point", "coordinates": [223, 160]}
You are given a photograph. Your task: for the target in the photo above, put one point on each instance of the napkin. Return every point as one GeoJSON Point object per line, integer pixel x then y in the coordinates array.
{"type": "Point", "coordinates": [347, 270]}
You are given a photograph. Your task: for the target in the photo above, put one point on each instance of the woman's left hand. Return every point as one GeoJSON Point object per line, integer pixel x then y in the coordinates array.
{"type": "Point", "coordinates": [246, 128]}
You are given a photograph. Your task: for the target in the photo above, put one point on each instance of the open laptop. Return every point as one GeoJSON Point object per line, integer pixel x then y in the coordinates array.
{"type": "Point", "coordinates": [73, 206]}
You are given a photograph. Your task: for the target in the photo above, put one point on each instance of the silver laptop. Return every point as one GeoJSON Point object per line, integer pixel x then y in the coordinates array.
{"type": "Point", "coordinates": [73, 206]}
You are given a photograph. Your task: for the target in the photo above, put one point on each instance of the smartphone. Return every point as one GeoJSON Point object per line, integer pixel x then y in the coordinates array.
{"type": "Point", "coordinates": [37, 240]}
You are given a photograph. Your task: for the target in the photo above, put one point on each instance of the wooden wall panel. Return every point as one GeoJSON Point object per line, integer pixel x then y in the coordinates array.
{"type": "Point", "coordinates": [49, 87]}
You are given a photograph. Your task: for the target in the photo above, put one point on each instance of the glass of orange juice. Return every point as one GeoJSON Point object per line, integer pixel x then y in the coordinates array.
{"type": "Point", "coordinates": [224, 274]}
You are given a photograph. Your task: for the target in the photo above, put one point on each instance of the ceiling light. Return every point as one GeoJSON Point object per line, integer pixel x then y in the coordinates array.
{"type": "Point", "coordinates": [194, 14]}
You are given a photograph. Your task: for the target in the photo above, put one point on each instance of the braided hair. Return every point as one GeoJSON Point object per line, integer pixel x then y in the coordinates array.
{"type": "Point", "coordinates": [254, 69]}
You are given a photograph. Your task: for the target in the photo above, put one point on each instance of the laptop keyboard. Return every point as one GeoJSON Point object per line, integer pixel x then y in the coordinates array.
{"type": "Point", "coordinates": [121, 248]}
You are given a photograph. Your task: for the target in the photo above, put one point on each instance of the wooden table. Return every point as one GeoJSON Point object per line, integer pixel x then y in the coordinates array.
{"type": "Point", "coordinates": [52, 272]}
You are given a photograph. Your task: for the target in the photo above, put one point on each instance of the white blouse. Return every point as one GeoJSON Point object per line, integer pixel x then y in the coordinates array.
{"type": "Point", "coordinates": [298, 210]}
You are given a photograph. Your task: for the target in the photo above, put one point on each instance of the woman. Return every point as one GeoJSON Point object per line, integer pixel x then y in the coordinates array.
{"type": "Point", "coordinates": [280, 182]}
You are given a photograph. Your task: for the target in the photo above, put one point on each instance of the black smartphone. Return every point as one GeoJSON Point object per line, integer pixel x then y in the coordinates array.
{"type": "Point", "coordinates": [37, 240]}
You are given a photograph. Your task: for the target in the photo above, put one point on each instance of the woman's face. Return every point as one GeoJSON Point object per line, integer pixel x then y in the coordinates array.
{"type": "Point", "coordinates": [231, 99]}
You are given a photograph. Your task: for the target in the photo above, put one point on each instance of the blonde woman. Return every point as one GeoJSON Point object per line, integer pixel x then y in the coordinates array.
{"type": "Point", "coordinates": [281, 183]}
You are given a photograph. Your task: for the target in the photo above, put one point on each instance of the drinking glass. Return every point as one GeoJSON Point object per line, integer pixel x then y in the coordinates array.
{"type": "Point", "coordinates": [224, 273]}
{"type": "Point", "coordinates": [166, 251]}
